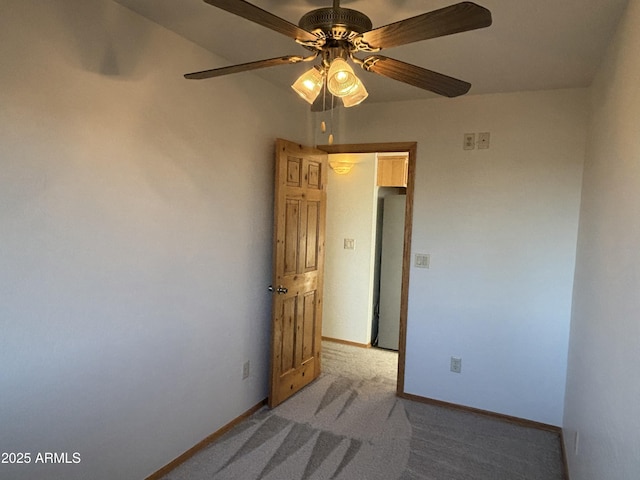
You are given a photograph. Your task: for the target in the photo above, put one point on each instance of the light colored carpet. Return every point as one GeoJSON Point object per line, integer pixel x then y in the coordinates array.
{"type": "Point", "coordinates": [350, 425]}
{"type": "Point", "coordinates": [373, 364]}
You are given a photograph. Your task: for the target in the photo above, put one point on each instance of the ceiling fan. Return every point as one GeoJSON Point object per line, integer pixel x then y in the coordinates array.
{"type": "Point", "coordinates": [335, 35]}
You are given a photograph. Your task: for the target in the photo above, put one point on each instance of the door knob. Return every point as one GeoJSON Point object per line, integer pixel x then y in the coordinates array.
{"type": "Point", "coordinates": [280, 290]}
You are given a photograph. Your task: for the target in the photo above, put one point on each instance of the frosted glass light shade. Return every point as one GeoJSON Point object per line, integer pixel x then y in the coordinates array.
{"type": "Point", "coordinates": [357, 96]}
{"type": "Point", "coordinates": [341, 80]}
{"type": "Point", "coordinates": [309, 85]}
{"type": "Point", "coordinates": [341, 168]}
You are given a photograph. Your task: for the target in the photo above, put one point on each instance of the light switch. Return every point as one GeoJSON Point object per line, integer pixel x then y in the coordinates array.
{"type": "Point", "coordinates": [349, 244]}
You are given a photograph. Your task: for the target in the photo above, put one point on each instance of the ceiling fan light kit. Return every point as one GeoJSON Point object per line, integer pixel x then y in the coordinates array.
{"type": "Point", "coordinates": [356, 96]}
{"type": "Point", "coordinates": [341, 80]}
{"type": "Point", "coordinates": [309, 84]}
{"type": "Point", "coordinates": [337, 34]}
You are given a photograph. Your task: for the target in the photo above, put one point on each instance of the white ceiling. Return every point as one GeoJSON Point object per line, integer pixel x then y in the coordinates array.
{"type": "Point", "coordinates": [532, 44]}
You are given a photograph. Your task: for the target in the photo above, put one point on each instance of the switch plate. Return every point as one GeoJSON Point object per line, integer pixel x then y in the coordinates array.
{"type": "Point", "coordinates": [469, 141]}
{"type": "Point", "coordinates": [483, 140]}
{"type": "Point", "coordinates": [246, 370]}
{"type": "Point", "coordinates": [349, 244]}
{"type": "Point", "coordinates": [423, 260]}
{"type": "Point", "coordinates": [456, 364]}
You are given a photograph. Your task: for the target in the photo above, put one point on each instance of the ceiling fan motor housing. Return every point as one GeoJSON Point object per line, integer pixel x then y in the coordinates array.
{"type": "Point", "coordinates": [336, 23]}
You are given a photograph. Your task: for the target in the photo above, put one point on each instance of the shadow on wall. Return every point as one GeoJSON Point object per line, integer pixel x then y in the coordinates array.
{"type": "Point", "coordinates": [101, 37]}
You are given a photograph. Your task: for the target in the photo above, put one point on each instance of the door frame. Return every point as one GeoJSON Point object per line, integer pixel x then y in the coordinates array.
{"type": "Point", "coordinates": [411, 148]}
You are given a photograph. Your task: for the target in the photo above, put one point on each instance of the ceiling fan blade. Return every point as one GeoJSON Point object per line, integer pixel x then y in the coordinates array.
{"type": "Point", "coordinates": [460, 17]}
{"type": "Point", "coordinates": [243, 67]}
{"type": "Point", "coordinates": [416, 76]}
{"type": "Point", "coordinates": [264, 18]}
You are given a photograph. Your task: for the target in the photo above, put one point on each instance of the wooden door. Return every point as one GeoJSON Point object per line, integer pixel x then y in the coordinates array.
{"type": "Point", "coordinates": [298, 263]}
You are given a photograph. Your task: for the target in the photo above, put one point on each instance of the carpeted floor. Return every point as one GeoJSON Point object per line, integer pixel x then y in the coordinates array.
{"type": "Point", "coordinates": [350, 425]}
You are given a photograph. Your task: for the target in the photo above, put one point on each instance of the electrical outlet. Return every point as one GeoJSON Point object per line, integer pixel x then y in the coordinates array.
{"type": "Point", "coordinates": [456, 364]}
{"type": "Point", "coordinates": [469, 142]}
{"type": "Point", "coordinates": [349, 244]}
{"type": "Point", "coordinates": [246, 370]}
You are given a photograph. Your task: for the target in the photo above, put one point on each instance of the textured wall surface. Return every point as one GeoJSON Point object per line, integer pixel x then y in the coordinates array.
{"type": "Point", "coordinates": [135, 239]}
{"type": "Point", "coordinates": [603, 386]}
{"type": "Point", "coordinates": [501, 227]}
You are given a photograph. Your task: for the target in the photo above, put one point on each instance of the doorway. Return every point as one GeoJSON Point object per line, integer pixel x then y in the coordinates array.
{"type": "Point", "coordinates": [382, 148]}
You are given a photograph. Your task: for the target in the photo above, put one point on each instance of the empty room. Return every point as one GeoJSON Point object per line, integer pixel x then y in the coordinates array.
{"type": "Point", "coordinates": [166, 299]}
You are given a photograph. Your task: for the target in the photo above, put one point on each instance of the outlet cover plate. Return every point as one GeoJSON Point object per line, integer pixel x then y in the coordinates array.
{"type": "Point", "coordinates": [456, 364]}
{"type": "Point", "coordinates": [469, 142]}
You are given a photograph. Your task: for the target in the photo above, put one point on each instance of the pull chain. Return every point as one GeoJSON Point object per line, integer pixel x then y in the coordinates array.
{"type": "Point", "coordinates": [331, 133]}
{"type": "Point", "coordinates": [323, 126]}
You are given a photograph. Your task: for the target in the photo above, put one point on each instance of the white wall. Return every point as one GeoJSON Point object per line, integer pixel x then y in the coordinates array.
{"type": "Point", "coordinates": [501, 228]}
{"type": "Point", "coordinates": [135, 239]}
{"type": "Point", "coordinates": [351, 213]}
{"type": "Point", "coordinates": [603, 386]}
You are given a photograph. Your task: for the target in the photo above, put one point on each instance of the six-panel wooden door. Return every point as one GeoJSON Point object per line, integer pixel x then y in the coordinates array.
{"type": "Point", "coordinates": [298, 263]}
